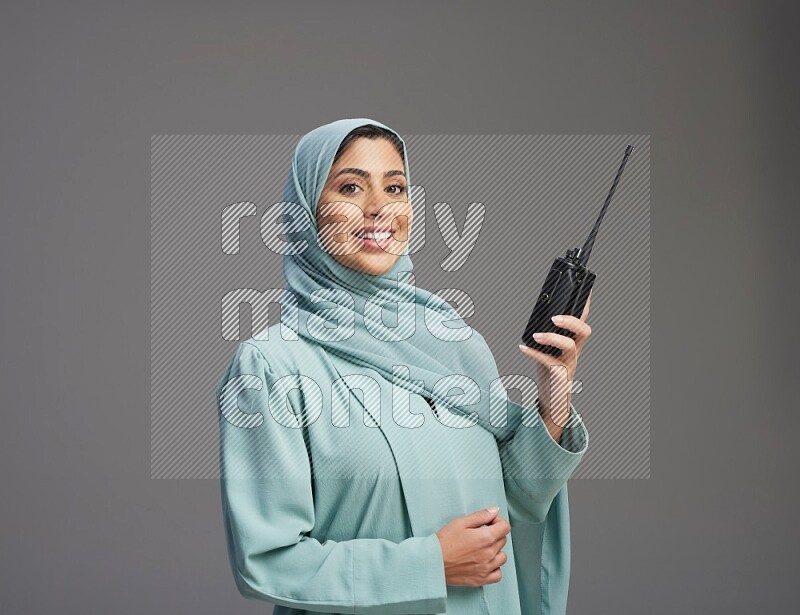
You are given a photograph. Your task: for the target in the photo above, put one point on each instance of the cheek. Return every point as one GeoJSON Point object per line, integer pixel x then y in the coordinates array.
{"type": "Point", "coordinates": [408, 223]}
{"type": "Point", "coordinates": [404, 217]}
{"type": "Point", "coordinates": [337, 219]}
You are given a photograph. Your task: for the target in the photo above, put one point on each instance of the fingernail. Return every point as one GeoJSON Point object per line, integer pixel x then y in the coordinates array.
{"type": "Point", "coordinates": [558, 319]}
{"type": "Point", "coordinates": [493, 509]}
{"type": "Point", "coordinates": [538, 336]}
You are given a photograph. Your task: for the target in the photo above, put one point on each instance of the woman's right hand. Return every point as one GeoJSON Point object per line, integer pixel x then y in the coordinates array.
{"type": "Point", "coordinates": [472, 548]}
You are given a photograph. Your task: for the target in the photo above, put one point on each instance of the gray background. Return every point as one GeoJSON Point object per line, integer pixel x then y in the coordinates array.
{"type": "Point", "coordinates": [85, 85]}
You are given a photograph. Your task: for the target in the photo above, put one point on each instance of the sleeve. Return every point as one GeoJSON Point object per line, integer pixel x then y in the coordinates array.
{"type": "Point", "coordinates": [268, 510]}
{"type": "Point", "coordinates": [536, 467]}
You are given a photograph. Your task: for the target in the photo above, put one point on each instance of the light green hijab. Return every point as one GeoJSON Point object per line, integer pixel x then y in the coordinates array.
{"type": "Point", "coordinates": [328, 294]}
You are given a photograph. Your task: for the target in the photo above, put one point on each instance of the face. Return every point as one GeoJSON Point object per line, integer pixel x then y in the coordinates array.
{"type": "Point", "coordinates": [364, 215]}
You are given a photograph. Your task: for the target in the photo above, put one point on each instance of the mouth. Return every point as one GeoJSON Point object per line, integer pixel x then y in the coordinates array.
{"type": "Point", "coordinates": [374, 240]}
{"type": "Point", "coordinates": [373, 234]}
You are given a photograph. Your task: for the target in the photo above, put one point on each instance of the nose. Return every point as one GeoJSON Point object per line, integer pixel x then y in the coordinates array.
{"type": "Point", "coordinates": [374, 204]}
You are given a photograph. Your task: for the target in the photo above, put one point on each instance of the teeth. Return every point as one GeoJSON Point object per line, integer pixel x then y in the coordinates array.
{"type": "Point", "coordinates": [379, 236]}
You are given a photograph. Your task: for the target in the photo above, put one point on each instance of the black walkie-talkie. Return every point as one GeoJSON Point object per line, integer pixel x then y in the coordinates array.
{"type": "Point", "coordinates": [567, 285]}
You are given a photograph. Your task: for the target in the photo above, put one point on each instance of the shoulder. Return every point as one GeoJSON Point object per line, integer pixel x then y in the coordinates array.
{"type": "Point", "coordinates": [262, 360]}
{"type": "Point", "coordinates": [272, 354]}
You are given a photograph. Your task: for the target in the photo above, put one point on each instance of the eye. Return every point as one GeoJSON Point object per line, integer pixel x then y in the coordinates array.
{"type": "Point", "coordinates": [400, 188]}
{"type": "Point", "coordinates": [349, 188]}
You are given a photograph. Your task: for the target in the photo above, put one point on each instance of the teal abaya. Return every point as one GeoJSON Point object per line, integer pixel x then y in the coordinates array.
{"type": "Point", "coordinates": [332, 511]}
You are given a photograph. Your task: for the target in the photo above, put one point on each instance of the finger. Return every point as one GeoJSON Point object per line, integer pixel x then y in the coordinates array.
{"type": "Point", "coordinates": [501, 542]}
{"type": "Point", "coordinates": [563, 342]}
{"type": "Point", "coordinates": [579, 327]}
{"type": "Point", "coordinates": [499, 528]}
{"type": "Point", "coordinates": [586, 307]}
{"type": "Point", "coordinates": [538, 355]}
{"type": "Point", "coordinates": [498, 520]}
{"type": "Point", "coordinates": [479, 518]}
{"type": "Point", "coordinates": [499, 559]}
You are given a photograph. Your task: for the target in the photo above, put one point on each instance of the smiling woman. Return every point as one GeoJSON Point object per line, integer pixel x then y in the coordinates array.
{"type": "Point", "coordinates": [388, 512]}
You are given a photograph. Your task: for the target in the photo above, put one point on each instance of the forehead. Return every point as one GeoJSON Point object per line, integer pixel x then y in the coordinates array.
{"type": "Point", "coordinates": [378, 153]}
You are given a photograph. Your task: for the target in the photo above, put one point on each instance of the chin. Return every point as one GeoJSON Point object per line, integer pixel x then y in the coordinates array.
{"type": "Point", "coordinates": [372, 267]}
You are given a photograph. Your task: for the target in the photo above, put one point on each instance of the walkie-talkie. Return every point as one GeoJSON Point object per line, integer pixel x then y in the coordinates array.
{"type": "Point", "coordinates": [567, 285]}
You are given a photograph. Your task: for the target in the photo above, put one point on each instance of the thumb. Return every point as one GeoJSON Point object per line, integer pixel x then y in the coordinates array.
{"type": "Point", "coordinates": [481, 517]}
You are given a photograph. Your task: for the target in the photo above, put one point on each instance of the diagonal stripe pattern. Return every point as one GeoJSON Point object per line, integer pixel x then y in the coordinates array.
{"type": "Point", "coordinates": [538, 195]}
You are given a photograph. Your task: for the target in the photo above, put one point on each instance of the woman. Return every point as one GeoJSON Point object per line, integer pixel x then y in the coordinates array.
{"type": "Point", "coordinates": [422, 502]}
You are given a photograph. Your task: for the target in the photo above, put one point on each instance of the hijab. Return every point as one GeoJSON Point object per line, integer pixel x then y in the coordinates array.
{"type": "Point", "coordinates": [429, 338]}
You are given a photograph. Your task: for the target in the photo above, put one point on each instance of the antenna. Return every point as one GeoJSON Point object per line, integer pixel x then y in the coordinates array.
{"type": "Point", "coordinates": [583, 255]}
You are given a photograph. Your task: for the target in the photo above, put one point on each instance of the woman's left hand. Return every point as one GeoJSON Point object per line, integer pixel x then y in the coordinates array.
{"type": "Point", "coordinates": [555, 374]}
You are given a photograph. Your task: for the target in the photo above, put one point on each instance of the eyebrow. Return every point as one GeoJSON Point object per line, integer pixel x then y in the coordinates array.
{"type": "Point", "coordinates": [366, 174]}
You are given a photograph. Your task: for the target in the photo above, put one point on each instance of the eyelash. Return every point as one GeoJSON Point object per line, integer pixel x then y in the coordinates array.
{"type": "Point", "coordinates": [343, 190]}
